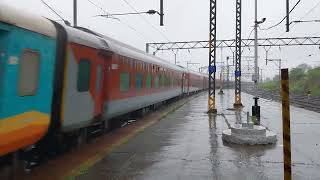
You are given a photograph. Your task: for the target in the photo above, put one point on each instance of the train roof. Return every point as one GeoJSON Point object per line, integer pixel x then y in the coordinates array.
{"type": "Point", "coordinates": [26, 20]}
{"type": "Point", "coordinates": [130, 51]}
{"type": "Point", "coordinates": [80, 35]}
{"type": "Point", "coordinates": [197, 73]}
{"type": "Point", "coordinates": [95, 40]}
{"type": "Point", "coordinates": [83, 37]}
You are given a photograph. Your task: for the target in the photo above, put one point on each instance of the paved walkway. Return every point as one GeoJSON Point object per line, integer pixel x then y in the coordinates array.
{"type": "Point", "coordinates": [187, 144]}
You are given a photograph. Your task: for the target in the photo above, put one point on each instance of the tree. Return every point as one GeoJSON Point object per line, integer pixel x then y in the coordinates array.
{"type": "Point", "coordinates": [276, 78]}
{"type": "Point", "coordinates": [305, 67]}
{"type": "Point", "coordinates": [268, 79]}
{"type": "Point", "coordinates": [297, 74]}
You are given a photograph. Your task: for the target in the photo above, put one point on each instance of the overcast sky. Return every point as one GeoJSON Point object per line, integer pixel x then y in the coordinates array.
{"type": "Point", "coordinates": [189, 20]}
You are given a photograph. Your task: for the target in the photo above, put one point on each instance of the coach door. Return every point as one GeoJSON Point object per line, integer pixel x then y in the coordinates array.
{"type": "Point", "coordinates": [185, 83]}
{"type": "Point", "coordinates": [101, 80]}
{"type": "Point", "coordinates": [99, 88]}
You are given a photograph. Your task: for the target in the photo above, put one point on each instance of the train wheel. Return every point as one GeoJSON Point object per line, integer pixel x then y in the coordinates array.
{"type": "Point", "coordinates": [82, 137]}
{"type": "Point", "coordinates": [17, 166]}
{"type": "Point", "coordinates": [106, 126]}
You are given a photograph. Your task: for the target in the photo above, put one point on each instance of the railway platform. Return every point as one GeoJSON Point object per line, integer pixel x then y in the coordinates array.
{"type": "Point", "coordinates": [187, 144]}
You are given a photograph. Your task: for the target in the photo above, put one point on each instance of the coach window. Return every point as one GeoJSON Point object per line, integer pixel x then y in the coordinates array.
{"type": "Point", "coordinates": [99, 78]}
{"type": "Point", "coordinates": [148, 81]}
{"type": "Point", "coordinates": [162, 80]}
{"type": "Point", "coordinates": [131, 63]}
{"type": "Point", "coordinates": [156, 82]}
{"type": "Point", "coordinates": [124, 82]}
{"type": "Point", "coordinates": [29, 73]}
{"type": "Point", "coordinates": [83, 83]}
{"type": "Point", "coordinates": [139, 78]}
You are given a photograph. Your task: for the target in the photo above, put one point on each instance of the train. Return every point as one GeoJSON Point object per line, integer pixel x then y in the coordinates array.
{"type": "Point", "coordinates": [57, 80]}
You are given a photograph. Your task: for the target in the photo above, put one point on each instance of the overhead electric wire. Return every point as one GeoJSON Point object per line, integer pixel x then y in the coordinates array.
{"type": "Point", "coordinates": [162, 34]}
{"type": "Point", "coordinates": [65, 21]}
{"type": "Point", "coordinates": [298, 2]}
{"type": "Point", "coordinates": [306, 14]}
{"type": "Point", "coordinates": [306, 21]}
{"type": "Point", "coordinates": [248, 38]}
{"type": "Point", "coordinates": [312, 9]}
{"type": "Point", "coordinates": [250, 33]}
{"type": "Point", "coordinates": [315, 34]}
{"type": "Point", "coordinates": [99, 7]}
{"type": "Point", "coordinates": [122, 22]}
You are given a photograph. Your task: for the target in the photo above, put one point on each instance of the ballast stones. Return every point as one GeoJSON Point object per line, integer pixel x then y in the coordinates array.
{"type": "Point", "coordinates": [249, 134]}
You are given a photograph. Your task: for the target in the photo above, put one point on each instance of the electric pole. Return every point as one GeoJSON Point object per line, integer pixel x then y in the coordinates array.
{"type": "Point", "coordinates": [75, 13]}
{"type": "Point", "coordinates": [212, 57]}
{"type": "Point", "coordinates": [228, 69]}
{"type": "Point", "coordinates": [161, 13]}
{"type": "Point", "coordinates": [175, 58]}
{"type": "Point", "coordinates": [256, 44]}
{"type": "Point", "coordinates": [288, 16]}
{"type": "Point", "coordinates": [279, 65]}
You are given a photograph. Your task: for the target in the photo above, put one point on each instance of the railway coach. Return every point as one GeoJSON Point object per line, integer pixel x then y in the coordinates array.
{"type": "Point", "coordinates": [57, 80]}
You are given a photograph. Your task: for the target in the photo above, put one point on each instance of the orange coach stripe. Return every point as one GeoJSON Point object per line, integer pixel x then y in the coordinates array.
{"type": "Point", "coordinates": [21, 138]}
{"type": "Point", "coordinates": [22, 130]}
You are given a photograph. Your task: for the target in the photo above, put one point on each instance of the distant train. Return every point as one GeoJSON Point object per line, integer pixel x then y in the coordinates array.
{"type": "Point", "coordinates": [59, 80]}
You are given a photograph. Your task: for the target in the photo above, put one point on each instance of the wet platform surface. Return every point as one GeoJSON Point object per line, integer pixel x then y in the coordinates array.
{"type": "Point", "coordinates": [187, 144]}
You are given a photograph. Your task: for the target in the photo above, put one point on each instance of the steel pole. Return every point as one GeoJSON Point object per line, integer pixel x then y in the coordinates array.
{"type": "Point", "coordinates": [147, 47]}
{"type": "Point", "coordinates": [256, 74]}
{"type": "Point", "coordinates": [175, 58]}
{"type": "Point", "coordinates": [228, 80]}
{"type": "Point", "coordinates": [238, 52]}
{"type": "Point", "coordinates": [288, 16]}
{"type": "Point", "coordinates": [280, 64]}
{"type": "Point", "coordinates": [161, 13]}
{"type": "Point", "coordinates": [212, 56]}
{"type": "Point", "coordinates": [75, 23]}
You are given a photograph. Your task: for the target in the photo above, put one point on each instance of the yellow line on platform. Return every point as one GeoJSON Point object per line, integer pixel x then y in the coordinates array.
{"type": "Point", "coordinates": [84, 167]}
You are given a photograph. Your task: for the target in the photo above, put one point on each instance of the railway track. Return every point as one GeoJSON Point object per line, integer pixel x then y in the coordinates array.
{"type": "Point", "coordinates": [301, 101]}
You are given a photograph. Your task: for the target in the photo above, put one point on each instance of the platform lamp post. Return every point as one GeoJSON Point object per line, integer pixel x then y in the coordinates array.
{"type": "Point", "coordinates": [256, 25]}
{"type": "Point", "coordinates": [256, 107]}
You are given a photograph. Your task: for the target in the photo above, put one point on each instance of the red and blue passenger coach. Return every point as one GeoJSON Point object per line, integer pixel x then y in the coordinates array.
{"type": "Point", "coordinates": [27, 70]}
{"type": "Point", "coordinates": [105, 78]}
{"type": "Point", "coordinates": [57, 80]}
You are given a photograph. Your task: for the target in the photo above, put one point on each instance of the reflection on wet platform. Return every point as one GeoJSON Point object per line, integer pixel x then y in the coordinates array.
{"type": "Point", "coordinates": [187, 144]}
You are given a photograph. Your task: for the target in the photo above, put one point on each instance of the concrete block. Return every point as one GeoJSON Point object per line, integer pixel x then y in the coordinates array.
{"type": "Point", "coordinates": [255, 136]}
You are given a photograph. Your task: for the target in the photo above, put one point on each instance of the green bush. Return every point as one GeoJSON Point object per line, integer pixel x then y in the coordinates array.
{"type": "Point", "coordinates": [271, 85]}
{"type": "Point", "coordinates": [301, 81]}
